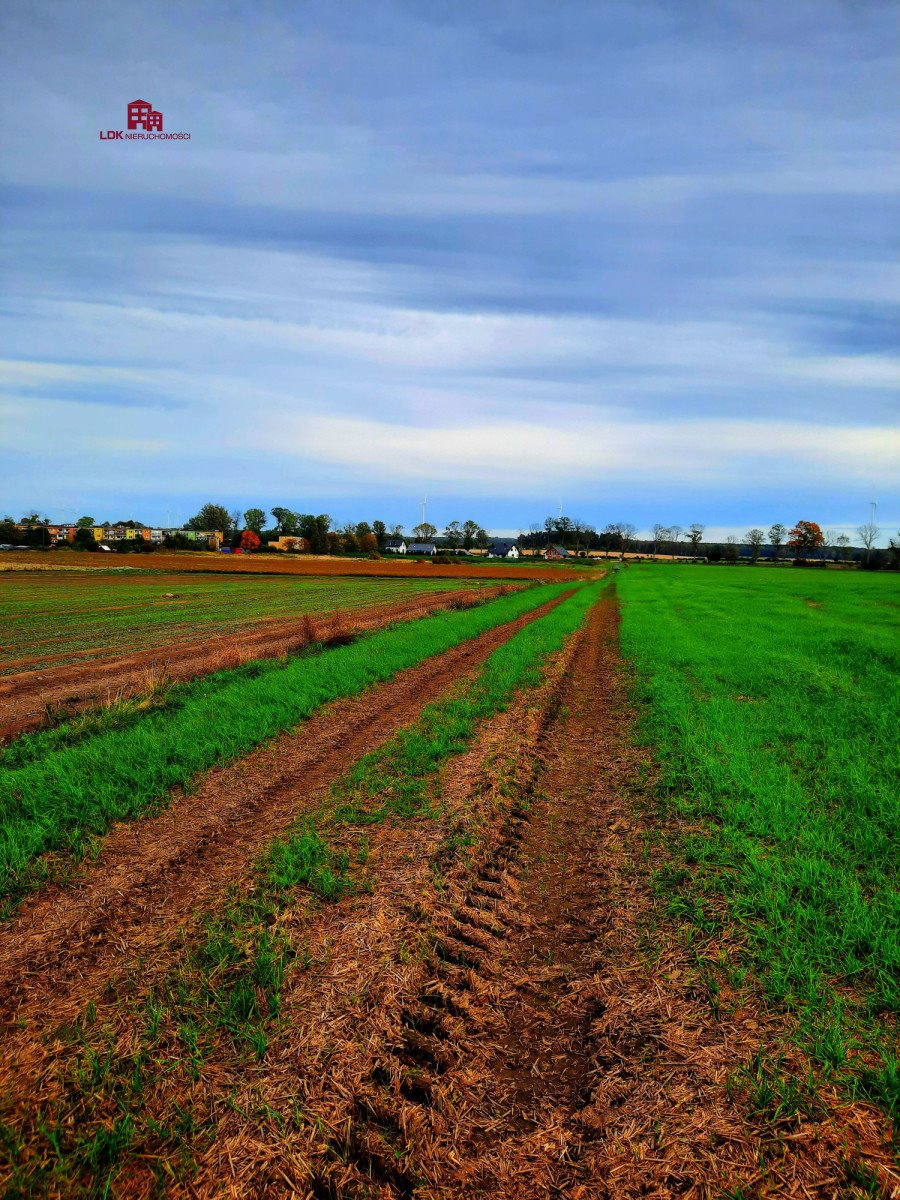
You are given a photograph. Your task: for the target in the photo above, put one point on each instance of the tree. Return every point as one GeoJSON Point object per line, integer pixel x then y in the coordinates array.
{"type": "Point", "coordinates": [481, 539]}
{"type": "Point", "coordinates": [730, 553]}
{"type": "Point", "coordinates": [315, 530]}
{"type": "Point", "coordinates": [349, 541]}
{"type": "Point", "coordinates": [675, 532]}
{"type": "Point", "coordinates": [235, 515]}
{"type": "Point", "coordinates": [285, 520]}
{"type": "Point", "coordinates": [549, 526]}
{"type": "Point", "coordinates": [777, 534]}
{"type": "Point", "coordinates": [611, 537]}
{"type": "Point", "coordinates": [755, 539]}
{"type": "Point", "coordinates": [563, 528]}
{"type": "Point", "coordinates": [210, 517]}
{"type": "Point", "coordinates": [470, 533]}
{"type": "Point", "coordinates": [628, 531]}
{"type": "Point", "coordinates": [695, 535]}
{"type": "Point", "coordinates": [85, 523]}
{"type": "Point", "coordinates": [842, 546]}
{"type": "Point", "coordinates": [249, 540]}
{"type": "Point", "coordinates": [806, 537]}
{"type": "Point", "coordinates": [8, 531]}
{"type": "Point", "coordinates": [868, 535]}
{"type": "Point", "coordinates": [893, 551]}
{"type": "Point", "coordinates": [34, 519]}
{"type": "Point", "coordinates": [368, 543]}
{"type": "Point", "coordinates": [660, 533]}
{"type": "Point", "coordinates": [254, 519]}
{"type": "Point", "coordinates": [453, 534]}
{"type": "Point", "coordinates": [380, 531]}
{"type": "Point", "coordinates": [424, 532]}
{"type": "Point", "coordinates": [579, 528]}
{"type": "Point", "coordinates": [362, 529]}
{"type": "Point", "coordinates": [396, 531]}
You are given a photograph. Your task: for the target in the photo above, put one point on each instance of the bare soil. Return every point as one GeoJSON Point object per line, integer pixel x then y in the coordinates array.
{"type": "Point", "coordinates": [29, 698]}
{"type": "Point", "coordinates": [69, 940]}
{"type": "Point", "coordinates": [286, 564]}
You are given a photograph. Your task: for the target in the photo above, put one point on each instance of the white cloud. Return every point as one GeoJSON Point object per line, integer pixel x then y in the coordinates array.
{"type": "Point", "coordinates": [500, 457]}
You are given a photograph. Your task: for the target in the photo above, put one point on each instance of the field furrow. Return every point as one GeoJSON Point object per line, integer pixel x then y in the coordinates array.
{"type": "Point", "coordinates": [28, 698]}
{"type": "Point", "coordinates": [66, 943]}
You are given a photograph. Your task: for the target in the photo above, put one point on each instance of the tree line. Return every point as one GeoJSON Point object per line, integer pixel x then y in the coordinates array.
{"type": "Point", "coordinates": [805, 541]}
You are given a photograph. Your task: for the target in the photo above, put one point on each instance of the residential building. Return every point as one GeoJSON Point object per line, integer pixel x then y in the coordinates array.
{"type": "Point", "coordinates": [503, 548]}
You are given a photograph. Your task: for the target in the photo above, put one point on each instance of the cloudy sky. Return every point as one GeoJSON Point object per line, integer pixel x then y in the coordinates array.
{"type": "Point", "coordinates": [637, 258]}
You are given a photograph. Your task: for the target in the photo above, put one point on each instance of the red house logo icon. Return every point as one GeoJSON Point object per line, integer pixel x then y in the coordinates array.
{"type": "Point", "coordinates": [141, 113]}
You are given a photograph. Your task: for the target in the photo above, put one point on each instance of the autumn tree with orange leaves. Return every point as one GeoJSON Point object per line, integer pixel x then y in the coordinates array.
{"type": "Point", "coordinates": [806, 537]}
{"type": "Point", "coordinates": [249, 540]}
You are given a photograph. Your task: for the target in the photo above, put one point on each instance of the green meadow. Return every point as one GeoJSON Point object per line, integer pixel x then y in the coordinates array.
{"type": "Point", "coordinates": [771, 700]}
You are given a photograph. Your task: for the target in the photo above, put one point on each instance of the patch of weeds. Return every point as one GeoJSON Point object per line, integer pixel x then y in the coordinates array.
{"type": "Point", "coordinates": [772, 1093]}
{"type": "Point", "coordinates": [863, 1180]}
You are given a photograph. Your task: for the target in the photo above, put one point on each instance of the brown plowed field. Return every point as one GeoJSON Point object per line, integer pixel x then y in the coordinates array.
{"type": "Point", "coordinates": [508, 1013]}
{"type": "Point", "coordinates": [286, 564]}
{"type": "Point", "coordinates": [27, 697]}
{"type": "Point", "coordinates": [67, 941]}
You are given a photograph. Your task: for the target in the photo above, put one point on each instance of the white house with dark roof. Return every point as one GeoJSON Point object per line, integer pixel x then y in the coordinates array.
{"type": "Point", "coordinates": [503, 548]}
{"type": "Point", "coordinates": [422, 548]}
{"type": "Point", "coordinates": [395, 546]}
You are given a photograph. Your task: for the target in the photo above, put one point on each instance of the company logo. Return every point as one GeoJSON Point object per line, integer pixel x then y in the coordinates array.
{"type": "Point", "coordinates": [143, 117]}
{"type": "Point", "coordinates": [142, 114]}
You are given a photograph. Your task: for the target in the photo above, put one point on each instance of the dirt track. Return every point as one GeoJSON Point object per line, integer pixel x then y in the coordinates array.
{"type": "Point", "coordinates": [26, 696]}
{"type": "Point", "coordinates": [67, 941]}
{"type": "Point", "coordinates": [545, 1048]}
{"type": "Point", "coordinates": [493, 1020]}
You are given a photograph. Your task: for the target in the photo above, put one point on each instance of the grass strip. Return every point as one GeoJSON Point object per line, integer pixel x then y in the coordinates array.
{"type": "Point", "coordinates": [771, 701]}
{"type": "Point", "coordinates": [116, 1105]}
{"type": "Point", "coordinates": [60, 802]}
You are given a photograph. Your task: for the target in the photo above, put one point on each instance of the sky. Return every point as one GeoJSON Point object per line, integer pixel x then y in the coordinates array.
{"type": "Point", "coordinates": [636, 259]}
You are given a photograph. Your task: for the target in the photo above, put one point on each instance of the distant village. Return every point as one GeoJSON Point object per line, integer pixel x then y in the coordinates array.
{"type": "Point", "coordinates": [557, 538]}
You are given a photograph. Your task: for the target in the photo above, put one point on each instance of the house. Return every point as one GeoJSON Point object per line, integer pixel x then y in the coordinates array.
{"type": "Point", "coordinates": [503, 548]}
{"type": "Point", "coordinates": [290, 542]}
{"type": "Point", "coordinates": [422, 548]}
{"type": "Point", "coordinates": [395, 546]}
{"type": "Point", "coordinates": [557, 552]}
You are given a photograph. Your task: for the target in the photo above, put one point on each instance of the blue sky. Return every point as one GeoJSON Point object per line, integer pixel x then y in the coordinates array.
{"type": "Point", "coordinates": [636, 258]}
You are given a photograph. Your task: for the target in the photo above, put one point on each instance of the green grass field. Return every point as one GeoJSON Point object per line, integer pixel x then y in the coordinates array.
{"type": "Point", "coordinates": [47, 618]}
{"type": "Point", "coordinates": [771, 701]}
{"type": "Point", "coordinates": [62, 786]}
